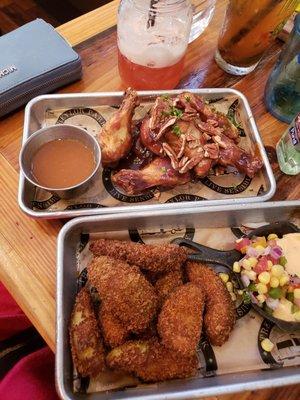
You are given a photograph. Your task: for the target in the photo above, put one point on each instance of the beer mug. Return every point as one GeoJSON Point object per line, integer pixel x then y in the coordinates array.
{"type": "Point", "coordinates": [152, 40]}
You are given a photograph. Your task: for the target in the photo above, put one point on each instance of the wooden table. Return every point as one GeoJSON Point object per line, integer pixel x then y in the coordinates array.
{"type": "Point", "coordinates": [27, 247]}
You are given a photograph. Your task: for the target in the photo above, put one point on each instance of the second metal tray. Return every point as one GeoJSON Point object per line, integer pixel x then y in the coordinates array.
{"type": "Point", "coordinates": [85, 103]}
{"type": "Point", "coordinates": [178, 224]}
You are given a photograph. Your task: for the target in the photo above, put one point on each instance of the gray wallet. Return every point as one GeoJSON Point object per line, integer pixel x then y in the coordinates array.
{"type": "Point", "coordinates": [34, 59]}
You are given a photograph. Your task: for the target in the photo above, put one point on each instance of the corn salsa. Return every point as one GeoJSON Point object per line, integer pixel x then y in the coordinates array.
{"type": "Point", "coordinates": [270, 272]}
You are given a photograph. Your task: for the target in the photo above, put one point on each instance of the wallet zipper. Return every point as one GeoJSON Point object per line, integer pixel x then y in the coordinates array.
{"type": "Point", "coordinates": [37, 89]}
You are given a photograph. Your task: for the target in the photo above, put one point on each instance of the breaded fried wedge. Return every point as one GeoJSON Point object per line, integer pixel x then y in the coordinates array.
{"type": "Point", "coordinates": [113, 331]}
{"type": "Point", "coordinates": [167, 283]}
{"type": "Point", "coordinates": [126, 292]}
{"type": "Point", "coordinates": [86, 344]}
{"type": "Point", "coordinates": [156, 258]}
{"type": "Point", "coordinates": [180, 320]}
{"type": "Point", "coordinates": [219, 318]}
{"type": "Point", "coordinates": [151, 361]}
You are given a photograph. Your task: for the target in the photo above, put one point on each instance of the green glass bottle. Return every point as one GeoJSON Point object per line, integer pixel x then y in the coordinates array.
{"type": "Point", "coordinates": [288, 149]}
{"type": "Point", "coordinates": [282, 93]}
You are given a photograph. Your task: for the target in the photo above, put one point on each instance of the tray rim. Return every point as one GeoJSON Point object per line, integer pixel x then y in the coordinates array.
{"type": "Point", "coordinates": [145, 207]}
{"type": "Point", "coordinates": [270, 378]}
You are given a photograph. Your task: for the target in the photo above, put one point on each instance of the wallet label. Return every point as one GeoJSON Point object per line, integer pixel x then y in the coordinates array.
{"type": "Point", "coordinates": [8, 70]}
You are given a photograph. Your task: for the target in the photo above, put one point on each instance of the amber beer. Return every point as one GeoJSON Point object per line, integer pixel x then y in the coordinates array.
{"type": "Point", "coordinates": [142, 77]}
{"type": "Point", "coordinates": [249, 28]}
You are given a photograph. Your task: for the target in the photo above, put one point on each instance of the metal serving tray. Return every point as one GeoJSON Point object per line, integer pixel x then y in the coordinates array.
{"type": "Point", "coordinates": [208, 217]}
{"type": "Point", "coordinates": [35, 119]}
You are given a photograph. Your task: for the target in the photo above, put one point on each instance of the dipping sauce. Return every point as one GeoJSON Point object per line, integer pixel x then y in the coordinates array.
{"type": "Point", "coordinates": [62, 163]}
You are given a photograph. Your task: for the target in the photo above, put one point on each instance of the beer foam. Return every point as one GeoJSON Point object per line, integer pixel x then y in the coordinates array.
{"type": "Point", "coordinates": [152, 56]}
{"type": "Point", "coordinates": [159, 46]}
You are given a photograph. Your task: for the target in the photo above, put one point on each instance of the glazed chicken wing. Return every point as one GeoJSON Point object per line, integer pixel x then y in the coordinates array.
{"type": "Point", "coordinates": [195, 136]}
{"type": "Point", "coordinates": [231, 154]}
{"type": "Point", "coordinates": [182, 137]}
{"type": "Point", "coordinates": [148, 138]}
{"type": "Point", "coordinates": [158, 173]}
{"type": "Point", "coordinates": [195, 106]}
{"type": "Point", "coordinates": [183, 129]}
{"type": "Point", "coordinates": [115, 137]}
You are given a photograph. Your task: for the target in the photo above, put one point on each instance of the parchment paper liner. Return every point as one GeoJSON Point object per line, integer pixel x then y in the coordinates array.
{"type": "Point", "coordinates": [104, 194]}
{"type": "Point", "coordinates": [242, 352]}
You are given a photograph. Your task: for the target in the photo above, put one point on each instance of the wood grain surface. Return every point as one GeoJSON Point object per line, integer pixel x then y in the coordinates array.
{"type": "Point", "coordinates": [14, 13]}
{"type": "Point", "coordinates": [82, 28]}
{"type": "Point", "coordinates": [27, 247]}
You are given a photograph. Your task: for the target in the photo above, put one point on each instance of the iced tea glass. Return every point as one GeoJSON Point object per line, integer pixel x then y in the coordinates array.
{"type": "Point", "coordinates": [152, 41]}
{"type": "Point", "coordinates": [249, 28]}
